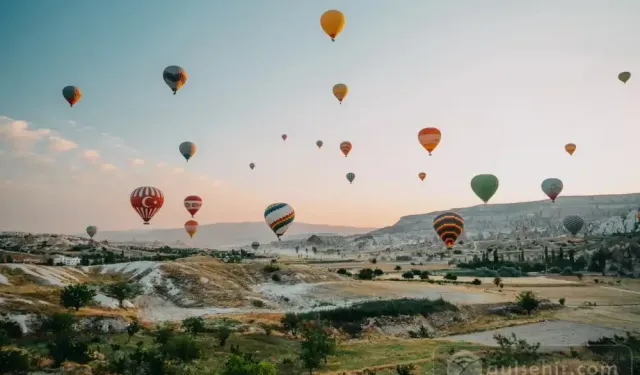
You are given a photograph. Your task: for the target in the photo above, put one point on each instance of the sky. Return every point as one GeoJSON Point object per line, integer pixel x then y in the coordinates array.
{"type": "Point", "coordinates": [507, 83]}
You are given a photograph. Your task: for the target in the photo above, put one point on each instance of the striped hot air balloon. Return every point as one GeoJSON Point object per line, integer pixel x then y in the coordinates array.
{"type": "Point", "coordinates": [92, 230]}
{"type": "Point", "coordinates": [191, 226]}
{"type": "Point", "coordinates": [552, 187]}
{"type": "Point", "coordinates": [255, 245]}
{"type": "Point", "coordinates": [429, 138]}
{"type": "Point", "coordinates": [279, 217]}
{"type": "Point", "coordinates": [346, 147]}
{"type": "Point", "coordinates": [449, 226]}
{"type": "Point", "coordinates": [147, 201]}
{"type": "Point", "coordinates": [573, 223]}
{"type": "Point", "coordinates": [350, 177]}
{"type": "Point", "coordinates": [192, 203]}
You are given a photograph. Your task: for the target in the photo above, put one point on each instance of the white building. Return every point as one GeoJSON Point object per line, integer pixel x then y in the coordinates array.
{"type": "Point", "coordinates": [67, 261]}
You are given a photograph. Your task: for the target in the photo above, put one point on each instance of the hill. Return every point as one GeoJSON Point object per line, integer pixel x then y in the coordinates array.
{"type": "Point", "coordinates": [226, 234]}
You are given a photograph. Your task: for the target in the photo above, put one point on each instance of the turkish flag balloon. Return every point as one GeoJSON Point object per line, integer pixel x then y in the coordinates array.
{"type": "Point", "coordinates": [192, 203]}
{"type": "Point", "coordinates": [147, 200]}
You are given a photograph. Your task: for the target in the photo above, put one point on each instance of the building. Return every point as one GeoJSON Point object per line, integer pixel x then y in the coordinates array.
{"type": "Point", "coordinates": [67, 261]}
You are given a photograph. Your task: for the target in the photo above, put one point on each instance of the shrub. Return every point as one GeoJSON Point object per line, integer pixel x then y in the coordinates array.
{"type": "Point", "coordinates": [476, 282]}
{"type": "Point", "coordinates": [424, 275]}
{"type": "Point", "coordinates": [222, 334]}
{"type": "Point", "coordinates": [378, 272]}
{"type": "Point", "coordinates": [416, 272]}
{"type": "Point", "coordinates": [14, 361]}
{"type": "Point", "coordinates": [290, 322]}
{"type": "Point", "coordinates": [485, 272]}
{"type": "Point", "coordinates": [562, 301]}
{"type": "Point", "coordinates": [527, 300]}
{"type": "Point", "coordinates": [497, 281]}
{"type": "Point", "coordinates": [513, 351]}
{"type": "Point", "coordinates": [450, 276]}
{"type": "Point", "coordinates": [76, 296]}
{"type": "Point", "coordinates": [181, 348]}
{"type": "Point", "coordinates": [276, 278]}
{"type": "Point", "coordinates": [407, 275]}
{"type": "Point", "coordinates": [271, 268]}
{"type": "Point", "coordinates": [579, 276]}
{"type": "Point", "coordinates": [405, 369]}
{"type": "Point", "coordinates": [509, 272]}
{"type": "Point", "coordinates": [567, 271]}
{"type": "Point", "coordinates": [342, 271]}
{"type": "Point", "coordinates": [257, 303]}
{"type": "Point", "coordinates": [194, 325]}
{"type": "Point", "coordinates": [457, 252]}
{"type": "Point", "coordinates": [554, 270]}
{"type": "Point", "coordinates": [373, 261]}
{"type": "Point", "coordinates": [397, 268]}
{"type": "Point", "coordinates": [365, 274]}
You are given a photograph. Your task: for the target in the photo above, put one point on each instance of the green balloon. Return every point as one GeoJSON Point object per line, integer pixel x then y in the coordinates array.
{"type": "Point", "coordinates": [485, 186]}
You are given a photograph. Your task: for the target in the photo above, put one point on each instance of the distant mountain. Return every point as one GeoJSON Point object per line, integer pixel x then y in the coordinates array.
{"type": "Point", "coordinates": [227, 234]}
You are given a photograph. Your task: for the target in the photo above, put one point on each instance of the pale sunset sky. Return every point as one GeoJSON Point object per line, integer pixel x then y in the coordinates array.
{"type": "Point", "coordinates": [509, 83]}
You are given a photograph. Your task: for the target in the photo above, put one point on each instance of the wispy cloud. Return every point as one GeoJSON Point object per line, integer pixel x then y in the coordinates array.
{"type": "Point", "coordinates": [177, 170]}
{"type": "Point", "coordinates": [136, 162]}
{"type": "Point", "coordinates": [162, 165]}
{"type": "Point", "coordinates": [108, 167]}
{"type": "Point", "coordinates": [91, 155]}
{"type": "Point", "coordinates": [60, 144]}
{"type": "Point", "coordinates": [18, 133]}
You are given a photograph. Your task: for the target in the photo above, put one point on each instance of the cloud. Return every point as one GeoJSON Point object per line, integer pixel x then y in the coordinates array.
{"type": "Point", "coordinates": [60, 144]}
{"type": "Point", "coordinates": [177, 170]}
{"type": "Point", "coordinates": [91, 155]}
{"type": "Point", "coordinates": [19, 134]}
{"type": "Point", "coordinates": [161, 164]}
{"type": "Point", "coordinates": [136, 162]}
{"type": "Point", "coordinates": [34, 158]}
{"type": "Point", "coordinates": [108, 167]}
{"type": "Point", "coordinates": [72, 123]}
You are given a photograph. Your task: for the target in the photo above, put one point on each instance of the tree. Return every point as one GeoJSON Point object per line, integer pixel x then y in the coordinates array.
{"type": "Point", "coordinates": [9, 259]}
{"type": "Point", "coordinates": [133, 328]}
{"type": "Point", "coordinates": [315, 348]}
{"type": "Point", "coordinates": [378, 272]}
{"type": "Point", "coordinates": [76, 296]}
{"type": "Point", "coordinates": [194, 325]}
{"type": "Point", "coordinates": [122, 291]}
{"type": "Point", "coordinates": [497, 281]}
{"type": "Point", "coordinates": [495, 256]}
{"type": "Point", "coordinates": [528, 301]}
{"type": "Point", "coordinates": [397, 268]}
{"type": "Point", "coordinates": [222, 334]}
{"type": "Point", "coordinates": [424, 275]}
{"type": "Point", "coordinates": [290, 322]}
{"type": "Point", "coordinates": [407, 275]}
{"type": "Point", "coordinates": [245, 364]}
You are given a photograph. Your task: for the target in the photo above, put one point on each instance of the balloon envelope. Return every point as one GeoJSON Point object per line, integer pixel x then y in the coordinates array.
{"type": "Point", "coordinates": [624, 76]}
{"type": "Point", "coordinates": [449, 226]}
{"type": "Point", "coordinates": [71, 94]}
{"type": "Point", "coordinates": [187, 149]}
{"type": "Point", "coordinates": [346, 147]}
{"type": "Point", "coordinates": [573, 223]}
{"type": "Point", "coordinates": [146, 201]}
{"type": "Point", "coordinates": [552, 187]}
{"type": "Point", "coordinates": [351, 176]}
{"type": "Point", "coordinates": [570, 148]}
{"type": "Point", "coordinates": [92, 230]}
{"type": "Point", "coordinates": [191, 226]}
{"type": "Point", "coordinates": [255, 245]}
{"type": "Point", "coordinates": [485, 186]}
{"type": "Point", "coordinates": [284, 137]}
{"type": "Point", "coordinates": [340, 91]}
{"type": "Point", "coordinates": [192, 203]}
{"type": "Point", "coordinates": [429, 138]}
{"type": "Point", "coordinates": [332, 22]}
{"type": "Point", "coordinates": [279, 217]}
{"type": "Point", "coordinates": [175, 77]}
{"type": "Point", "coordinates": [319, 144]}
{"type": "Point", "coordinates": [422, 176]}
{"type": "Point", "coordinates": [252, 165]}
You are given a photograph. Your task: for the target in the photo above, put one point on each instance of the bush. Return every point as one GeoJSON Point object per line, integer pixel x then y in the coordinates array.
{"type": "Point", "coordinates": [416, 272]}
{"type": "Point", "coordinates": [567, 271]}
{"type": "Point", "coordinates": [457, 252]}
{"type": "Point", "coordinates": [528, 301]}
{"type": "Point", "coordinates": [405, 369]}
{"type": "Point", "coordinates": [397, 268]}
{"type": "Point", "coordinates": [562, 301]}
{"type": "Point", "coordinates": [485, 272]}
{"type": "Point", "coordinates": [239, 364]}
{"type": "Point", "coordinates": [407, 275]}
{"type": "Point", "coordinates": [373, 261]}
{"type": "Point", "coordinates": [509, 272]}
{"type": "Point", "coordinates": [513, 351]}
{"type": "Point", "coordinates": [271, 268]}
{"type": "Point", "coordinates": [276, 278]}
{"type": "Point", "coordinates": [365, 274]}
{"type": "Point", "coordinates": [290, 322]}
{"type": "Point", "coordinates": [450, 276]}
{"type": "Point", "coordinates": [476, 282]}
{"type": "Point", "coordinates": [194, 325]}
{"type": "Point", "coordinates": [257, 303]}
{"type": "Point", "coordinates": [76, 296]}
{"type": "Point", "coordinates": [554, 270]}
{"type": "Point", "coordinates": [181, 348]}
{"type": "Point", "coordinates": [342, 271]}
{"type": "Point", "coordinates": [424, 275]}
{"type": "Point", "coordinates": [378, 272]}
{"type": "Point", "coordinates": [15, 361]}
{"type": "Point", "coordinates": [222, 334]}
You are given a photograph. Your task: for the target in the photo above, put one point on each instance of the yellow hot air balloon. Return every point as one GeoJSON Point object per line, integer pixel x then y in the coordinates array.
{"type": "Point", "coordinates": [340, 91]}
{"type": "Point", "coordinates": [422, 175]}
{"type": "Point", "coordinates": [570, 148]}
{"type": "Point", "coordinates": [332, 22]}
{"type": "Point", "coordinates": [191, 226]}
{"type": "Point", "coordinates": [429, 138]}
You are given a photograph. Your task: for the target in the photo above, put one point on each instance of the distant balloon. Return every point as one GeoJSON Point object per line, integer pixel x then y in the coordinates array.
{"type": "Point", "coordinates": [485, 186]}
{"type": "Point", "coordinates": [193, 203]}
{"type": "Point", "coordinates": [422, 176]}
{"type": "Point", "coordinates": [570, 148]}
{"type": "Point", "coordinates": [319, 143]}
{"type": "Point", "coordinates": [255, 245]}
{"type": "Point", "coordinates": [175, 77]}
{"type": "Point", "coordinates": [279, 217]}
{"type": "Point", "coordinates": [351, 176]}
{"type": "Point", "coordinates": [252, 165]}
{"type": "Point", "coordinates": [284, 137]}
{"type": "Point", "coordinates": [340, 91]}
{"type": "Point", "coordinates": [72, 94]}
{"type": "Point", "coordinates": [429, 138]}
{"type": "Point", "coordinates": [552, 187]}
{"type": "Point", "coordinates": [345, 147]}
{"type": "Point", "coordinates": [573, 223]}
{"type": "Point", "coordinates": [332, 22]}
{"type": "Point", "coordinates": [147, 201]}
{"type": "Point", "coordinates": [624, 76]}
{"type": "Point", "coordinates": [187, 149]}
{"type": "Point", "coordinates": [449, 226]}
{"type": "Point", "coordinates": [191, 226]}
{"type": "Point", "coordinates": [92, 230]}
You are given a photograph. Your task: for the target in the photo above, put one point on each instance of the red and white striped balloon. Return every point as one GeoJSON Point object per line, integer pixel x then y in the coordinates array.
{"type": "Point", "coordinates": [147, 201]}
{"type": "Point", "coordinates": [192, 203]}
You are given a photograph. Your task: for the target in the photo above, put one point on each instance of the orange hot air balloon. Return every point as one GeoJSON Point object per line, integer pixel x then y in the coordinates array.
{"type": "Point", "coordinates": [340, 91]}
{"type": "Point", "coordinates": [429, 138]}
{"type": "Point", "coordinates": [332, 22]}
{"type": "Point", "coordinates": [422, 176]}
{"type": "Point", "coordinates": [191, 226]}
{"type": "Point", "coordinates": [570, 148]}
{"type": "Point", "coordinates": [345, 147]}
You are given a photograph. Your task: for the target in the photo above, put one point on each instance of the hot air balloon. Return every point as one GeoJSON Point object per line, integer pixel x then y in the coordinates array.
{"type": "Point", "coordinates": [252, 165]}
{"type": "Point", "coordinates": [485, 186]}
{"type": "Point", "coordinates": [573, 223]}
{"type": "Point", "coordinates": [92, 230]}
{"type": "Point", "coordinates": [192, 203]}
{"type": "Point", "coordinates": [449, 226]}
{"type": "Point", "coordinates": [340, 91]}
{"type": "Point", "coordinates": [422, 176]}
{"type": "Point", "coordinates": [279, 217]}
{"type": "Point", "coordinates": [187, 149]}
{"type": "Point", "coordinates": [147, 200]}
{"type": "Point", "coordinates": [71, 94]}
{"type": "Point", "coordinates": [429, 138]}
{"type": "Point", "coordinates": [332, 22]}
{"type": "Point", "coordinates": [624, 76]}
{"type": "Point", "coordinates": [284, 137]}
{"type": "Point", "coordinates": [319, 144]}
{"type": "Point", "coordinates": [345, 147]}
{"type": "Point", "coordinates": [255, 245]}
{"type": "Point", "coordinates": [552, 187]}
{"type": "Point", "coordinates": [175, 77]}
{"type": "Point", "coordinates": [191, 226]}
{"type": "Point", "coordinates": [570, 148]}
{"type": "Point", "coordinates": [351, 176]}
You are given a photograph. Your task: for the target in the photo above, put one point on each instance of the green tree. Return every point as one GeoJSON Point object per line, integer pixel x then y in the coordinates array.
{"type": "Point", "coordinates": [424, 275]}
{"type": "Point", "coordinates": [133, 328]}
{"type": "Point", "coordinates": [122, 291]}
{"type": "Point", "coordinates": [76, 296]}
{"type": "Point", "coordinates": [407, 275]}
{"type": "Point", "coordinates": [528, 301]}
{"type": "Point", "coordinates": [194, 325]}
{"type": "Point", "coordinates": [290, 322]}
{"type": "Point", "coordinates": [222, 334]}
{"type": "Point", "coordinates": [315, 348]}
{"type": "Point", "coordinates": [243, 364]}
{"type": "Point", "coordinates": [497, 280]}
